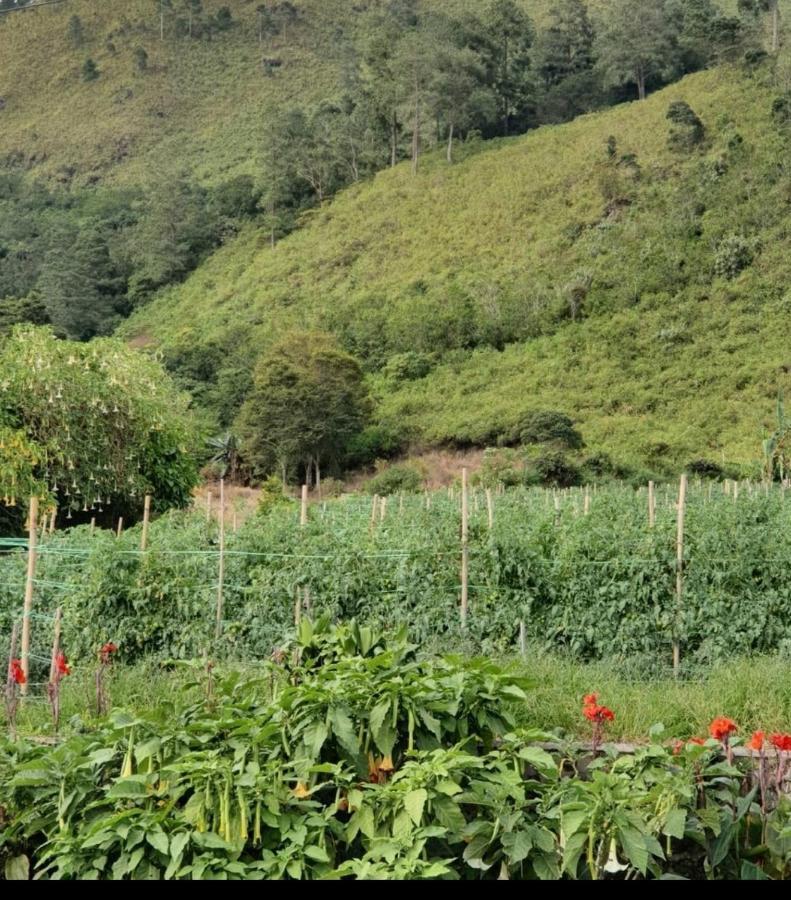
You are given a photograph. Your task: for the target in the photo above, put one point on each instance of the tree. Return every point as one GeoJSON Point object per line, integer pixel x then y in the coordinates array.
{"type": "Point", "coordinates": [460, 97]}
{"type": "Point", "coordinates": [308, 400]}
{"type": "Point", "coordinates": [97, 424]}
{"type": "Point", "coordinates": [194, 10]}
{"type": "Point", "coordinates": [755, 9]}
{"type": "Point", "coordinates": [79, 284]}
{"type": "Point", "coordinates": [90, 71]}
{"type": "Point", "coordinates": [141, 59]}
{"type": "Point", "coordinates": [415, 64]}
{"type": "Point", "coordinates": [75, 32]}
{"type": "Point", "coordinates": [174, 231]}
{"type": "Point", "coordinates": [510, 36]}
{"type": "Point", "coordinates": [16, 311]}
{"type": "Point", "coordinates": [163, 6]}
{"type": "Point", "coordinates": [687, 130]}
{"type": "Point", "coordinates": [704, 34]}
{"type": "Point", "coordinates": [635, 43]}
{"type": "Point", "coordinates": [565, 48]}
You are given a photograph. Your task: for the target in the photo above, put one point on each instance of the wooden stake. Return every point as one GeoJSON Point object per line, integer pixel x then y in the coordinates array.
{"type": "Point", "coordinates": [55, 645]}
{"type": "Point", "coordinates": [587, 501]}
{"type": "Point", "coordinates": [120, 528]}
{"type": "Point", "coordinates": [221, 563]}
{"type": "Point", "coordinates": [651, 504]}
{"type": "Point", "coordinates": [10, 684]}
{"type": "Point", "coordinates": [93, 524]}
{"type": "Point", "coordinates": [298, 606]}
{"type": "Point", "coordinates": [52, 517]}
{"type": "Point", "coordinates": [32, 556]}
{"type": "Point", "coordinates": [374, 509]}
{"type": "Point", "coordinates": [682, 502]}
{"type": "Point", "coordinates": [490, 508]}
{"type": "Point", "coordinates": [382, 508]}
{"type": "Point", "coordinates": [303, 510]}
{"type": "Point", "coordinates": [522, 639]}
{"type": "Point", "coordinates": [464, 549]}
{"type": "Point", "coordinates": [146, 520]}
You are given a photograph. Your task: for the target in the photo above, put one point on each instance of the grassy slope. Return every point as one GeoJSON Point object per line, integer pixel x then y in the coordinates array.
{"type": "Point", "coordinates": [202, 105]}
{"type": "Point", "coordinates": [667, 353]}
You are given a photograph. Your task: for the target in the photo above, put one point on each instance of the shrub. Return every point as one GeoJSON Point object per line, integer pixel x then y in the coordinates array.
{"type": "Point", "coordinates": [272, 496]}
{"type": "Point", "coordinates": [552, 468]}
{"type": "Point", "coordinates": [549, 427]}
{"type": "Point", "coordinates": [372, 443]}
{"type": "Point", "coordinates": [90, 71]}
{"type": "Point", "coordinates": [734, 254]}
{"type": "Point", "coordinates": [407, 367]}
{"type": "Point", "coordinates": [687, 130]}
{"type": "Point", "coordinates": [501, 466]}
{"type": "Point", "coordinates": [401, 478]}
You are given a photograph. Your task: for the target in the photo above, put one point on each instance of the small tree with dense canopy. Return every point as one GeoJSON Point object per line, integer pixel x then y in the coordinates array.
{"type": "Point", "coordinates": [90, 425]}
{"type": "Point", "coordinates": [308, 400]}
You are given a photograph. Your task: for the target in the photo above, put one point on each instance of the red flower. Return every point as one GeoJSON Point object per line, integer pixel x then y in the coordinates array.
{"type": "Point", "coordinates": [62, 665]}
{"type": "Point", "coordinates": [594, 713]}
{"type": "Point", "coordinates": [698, 742]}
{"type": "Point", "coordinates": [722, 728]}
{"type": "Point", "coordinates": [17, 672]}
{"type": "Point", "coordinates": [107, 651]}
{"type": "Point", "coordinates": [781, 742]}
{"type": "Point", "coordinates": [590, 699]}
{"type": "Point", "coordinates": [757, 741]}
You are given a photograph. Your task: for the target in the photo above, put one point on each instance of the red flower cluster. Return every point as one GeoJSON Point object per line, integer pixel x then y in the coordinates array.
{"type": "Point", "coordinates": [722, 728]}
{"type": "Point", "coordinates": [17, 672]}
{"type": "Point", "coordinates": [757, 741]}
{"type": "Point", "coordinates": [62, 665]}
{"type": "Point", "coordinates": [595, 713]}
{"type": "Point", "coordinates": [781, 742]}
{"type": "Point", "coordinates": [107, 651]}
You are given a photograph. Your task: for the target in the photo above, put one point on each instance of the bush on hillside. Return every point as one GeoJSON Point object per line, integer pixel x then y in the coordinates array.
{"type": "Point", "coordinates": [549, 427]}
{"type": "Point", "coordinates": [401, 478]}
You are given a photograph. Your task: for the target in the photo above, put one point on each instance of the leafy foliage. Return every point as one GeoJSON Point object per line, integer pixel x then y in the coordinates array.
{"type": "Point", "coordinates": [363, 762]}
{"type": "Point", "coordinates": [90, 425]}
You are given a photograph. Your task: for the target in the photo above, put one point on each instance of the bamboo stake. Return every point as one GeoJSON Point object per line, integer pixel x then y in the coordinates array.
{"type": "Point", "coordinates": [120, 527]}
{"type": "Point", "coordinates": [303, 510]}
{"type": "Point", "coordinates": [55, 644]}
{"type": "Point", "coordinates": [464, 549]}
{"type": "Point", "coordinates": [682, 502]}
{"type": "Point", "coordinates": [10, 686]}
{"type": "Point", "coordinates": [374, 509]}
{"type": "Point", "coordinates": [32, 556]}
{"type": "Point", "coordinates": [651, 504]}
{"type": "Point", "coordinates": [52, 517]}
{"type": "Point", "coordinates": [382, 508]}
{"type": "Point", "coordinates": [522, 639]}
{"type": "Point", "coordinates": [93, 524]}
{"type": "Point", "coordinates": [587, 501]}
{"type": "Point", "coordinates": [221, 563]}
{"type": "Point", "coordinates": [490, 508]}
{"type": "Point", "coordinates": [146, 520]}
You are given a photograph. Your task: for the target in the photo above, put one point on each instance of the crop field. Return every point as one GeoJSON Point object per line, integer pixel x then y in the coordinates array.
{"type": "Point", "coordinates": [301, 697]}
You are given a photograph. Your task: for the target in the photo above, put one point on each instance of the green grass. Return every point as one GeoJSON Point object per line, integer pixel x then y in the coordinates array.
{"type": "Point", "coordinates": [668, 362]}
{"type": "Point", "coordinates": [755, 692]}
{"type": "Point", "coordinates": [201, 106]}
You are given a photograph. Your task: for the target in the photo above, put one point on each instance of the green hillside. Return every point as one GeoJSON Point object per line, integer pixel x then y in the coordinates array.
{"type": "Point", "coordinates": [539, 274]}
{"type": "Point", "coordinates": [200, 104]}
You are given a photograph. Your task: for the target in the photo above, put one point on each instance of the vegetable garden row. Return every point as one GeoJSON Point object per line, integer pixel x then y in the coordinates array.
{"type": "Point", "coordinates": [350, 757]}
{"type": "Point", "coordinates": [598, 584]}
